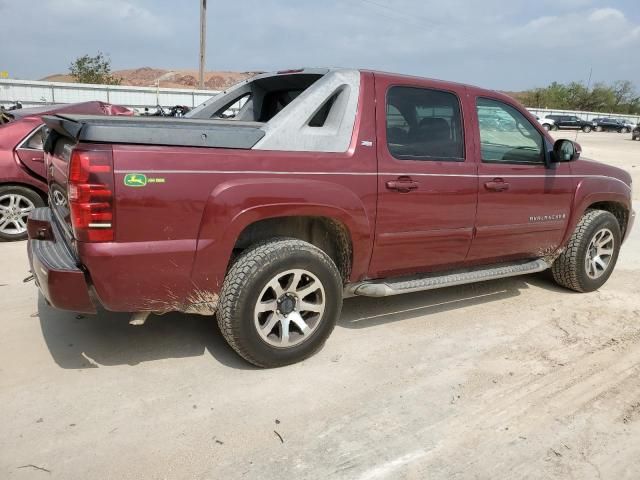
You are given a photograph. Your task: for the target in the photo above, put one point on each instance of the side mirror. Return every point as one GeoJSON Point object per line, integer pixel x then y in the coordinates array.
{"type": "Point", "coordinates": [566, 151]}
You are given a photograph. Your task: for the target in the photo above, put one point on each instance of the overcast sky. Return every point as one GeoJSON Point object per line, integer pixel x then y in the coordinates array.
{"type": "Point", "coordinates": [502, 44]}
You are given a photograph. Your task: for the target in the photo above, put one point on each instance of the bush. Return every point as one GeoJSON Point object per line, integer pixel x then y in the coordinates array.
{"type": "Point", "coordinates": [87, 69]}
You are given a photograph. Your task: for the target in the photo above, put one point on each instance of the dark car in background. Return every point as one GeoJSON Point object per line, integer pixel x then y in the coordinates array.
{"type": "Point", "coordinates": [607, 124]}
{"type": "Point", "coordinates": [571, 122]}
{"type": "Point", "coordinates": [22, 172]}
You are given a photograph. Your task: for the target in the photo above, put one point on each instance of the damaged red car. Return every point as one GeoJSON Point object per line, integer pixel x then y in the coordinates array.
{"type": "Point", "coordinates": [23, 185]}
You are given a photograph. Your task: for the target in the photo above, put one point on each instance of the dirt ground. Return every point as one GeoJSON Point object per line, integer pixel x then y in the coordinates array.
{"type": "Point", "coordinates": [507, 379]}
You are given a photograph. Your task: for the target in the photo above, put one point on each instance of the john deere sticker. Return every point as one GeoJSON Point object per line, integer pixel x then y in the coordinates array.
{"type": "Point", "coordinates": [140, 180]}
{"type": "Point", "coordinates": [135, 180]}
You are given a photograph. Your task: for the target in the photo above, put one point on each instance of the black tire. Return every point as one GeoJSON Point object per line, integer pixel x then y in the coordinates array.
{"type": "Point", "coordinates": [28, 195]}
{"type": "Point", "coordinates": [586, 129]}
{"type": "Point", "coordinates": [569, 269]}
{"type": "Point", "coordinates": [245, 281]}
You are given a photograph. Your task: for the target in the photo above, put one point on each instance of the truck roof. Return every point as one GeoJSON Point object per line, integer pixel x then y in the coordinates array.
{"type": "Point", "coordinates": [391, 75]}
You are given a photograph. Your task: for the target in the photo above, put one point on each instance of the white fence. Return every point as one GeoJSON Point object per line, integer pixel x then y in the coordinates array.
{"type": "Point", "coordinates": [543, 112]}
{"type": "Point", "coordinates": [34, 93]}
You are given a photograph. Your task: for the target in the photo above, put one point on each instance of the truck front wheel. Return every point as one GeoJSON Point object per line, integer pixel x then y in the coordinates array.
{"type": "Point", "coordinates": [280, 302]}
{"type": "Point", "coordinates": [591, 254]}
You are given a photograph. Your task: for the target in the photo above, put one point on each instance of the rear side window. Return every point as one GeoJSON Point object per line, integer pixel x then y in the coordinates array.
{"type": "Point", "coordinates": [424, 124]}
{"type": "Point", "coordinates": [36, 140]}
{"type": "Point", "coordinates": [506, 136]}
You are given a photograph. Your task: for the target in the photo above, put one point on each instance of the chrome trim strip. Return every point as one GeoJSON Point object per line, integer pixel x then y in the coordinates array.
{"type": "Point", "coordinates": [257, 172]}
{"type": "Point", "coordinates": [275, 172]}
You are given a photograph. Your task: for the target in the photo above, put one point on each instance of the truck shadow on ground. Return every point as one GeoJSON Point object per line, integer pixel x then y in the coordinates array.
{"type": "Point", "coordinates": [106, 339]}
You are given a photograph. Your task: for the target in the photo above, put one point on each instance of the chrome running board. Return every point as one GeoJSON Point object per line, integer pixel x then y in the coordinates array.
{"type": "Point", "coordinates": [388, 287]}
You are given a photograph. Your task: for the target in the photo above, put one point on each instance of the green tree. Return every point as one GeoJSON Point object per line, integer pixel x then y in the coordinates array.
{"type": "Point", "coordinates": [619, 97]}
{"type": "Point", "coordinates": [97, 69]}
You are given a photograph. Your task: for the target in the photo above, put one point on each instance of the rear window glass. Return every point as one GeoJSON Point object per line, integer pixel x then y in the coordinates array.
{"type": "Point", "coordinates": [424, 124]}
{"type": "Point", "coordinates": [258, 100]}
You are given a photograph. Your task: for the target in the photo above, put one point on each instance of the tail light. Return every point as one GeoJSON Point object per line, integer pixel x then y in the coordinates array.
{"type": "Point", "coordinates": [90, 194]}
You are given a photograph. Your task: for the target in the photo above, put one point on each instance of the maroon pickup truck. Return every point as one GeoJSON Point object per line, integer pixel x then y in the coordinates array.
{"type": "Point", "coordinates": [271, 202]}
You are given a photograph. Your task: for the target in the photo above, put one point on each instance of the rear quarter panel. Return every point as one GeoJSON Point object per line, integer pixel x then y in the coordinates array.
{"type": "Point", "coordinates": [175, 236]}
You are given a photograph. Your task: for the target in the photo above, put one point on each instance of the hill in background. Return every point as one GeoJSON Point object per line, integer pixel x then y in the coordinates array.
{"type": "Point", "coordinates": [147, 77]}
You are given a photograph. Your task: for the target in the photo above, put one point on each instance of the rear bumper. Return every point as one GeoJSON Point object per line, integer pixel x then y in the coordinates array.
{"type": "Point", "coordinates": [55, 268]}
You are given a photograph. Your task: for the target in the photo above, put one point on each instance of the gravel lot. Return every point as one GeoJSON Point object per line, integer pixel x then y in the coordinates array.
{"type": "Point", "coordinates": [509, 379]}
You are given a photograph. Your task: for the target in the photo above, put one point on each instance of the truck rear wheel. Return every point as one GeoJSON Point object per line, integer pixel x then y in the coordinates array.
{"type": "Point", "coordinates": [591, 254]}
{"type": "Point", "coordinates": [280, 302]}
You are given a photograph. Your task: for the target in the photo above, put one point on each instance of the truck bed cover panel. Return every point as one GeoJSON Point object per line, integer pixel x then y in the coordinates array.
{"type": "Point", "coordinates": [157, 131]}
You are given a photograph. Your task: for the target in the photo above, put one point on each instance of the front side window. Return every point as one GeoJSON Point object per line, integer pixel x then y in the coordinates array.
{"type": "Point", "coordinates": [506, 136]}
{"type": "Point", "coordinates": [424, 124]}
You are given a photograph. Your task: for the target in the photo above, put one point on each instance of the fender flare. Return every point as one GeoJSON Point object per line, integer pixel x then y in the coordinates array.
{"type": "Point", "coordinates": [236, 204]}
{"type": "Point", "coordinates": [594, 190]}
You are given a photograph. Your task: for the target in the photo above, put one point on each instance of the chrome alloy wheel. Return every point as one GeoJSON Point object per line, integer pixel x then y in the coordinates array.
{"type": "Point", "coordinates": [289, 308]}
{"type": "Point", "coordinates": [599, 253]}
{"type": "Point", "coordinates": [14, 210]}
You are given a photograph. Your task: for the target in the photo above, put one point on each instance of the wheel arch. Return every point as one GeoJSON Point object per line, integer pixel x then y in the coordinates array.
{"type": "Point", "coordinates": [31, 186]}
{"type": "Point", "coordinates": [617, 209]}
{"type": "Point", "coordinates": [328, 234]}
{"type": "Point", "coordinates": [600, 194]}
{"type": "Point", "coordinates": [248, 210]}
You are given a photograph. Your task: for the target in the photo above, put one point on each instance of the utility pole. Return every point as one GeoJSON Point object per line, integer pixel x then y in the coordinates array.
{"type": "Point", "coordinates": [203, 40]}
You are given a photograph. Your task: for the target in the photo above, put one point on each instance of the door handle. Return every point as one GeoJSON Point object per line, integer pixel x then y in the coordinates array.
{"type": "Point", "coordinates": [402, 184]}
{"type": "Point", "coordinates": [497, 185]}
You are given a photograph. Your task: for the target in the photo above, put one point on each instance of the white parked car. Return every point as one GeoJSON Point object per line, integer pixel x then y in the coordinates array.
{"type": "Point", "coordinates": [547, 123]}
